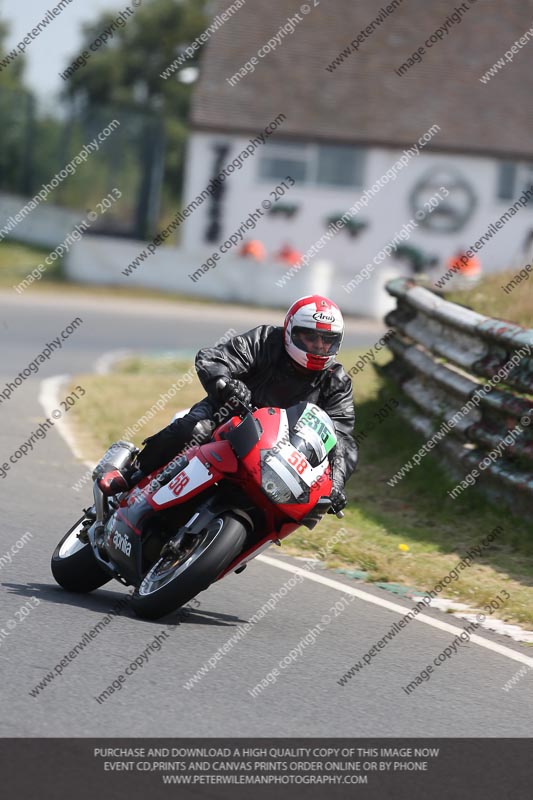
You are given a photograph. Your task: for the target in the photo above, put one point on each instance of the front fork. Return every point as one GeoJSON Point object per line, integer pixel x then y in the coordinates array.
{"type": "Point", "coordinates": [201, 520]}
{"type": "Point", "coordinates": [95, 530]}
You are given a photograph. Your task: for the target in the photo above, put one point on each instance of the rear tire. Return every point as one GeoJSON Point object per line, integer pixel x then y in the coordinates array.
{"type": "Point", "coordinates": [73, 563]}
{"type": "Point", "coordinates": [171, 584]}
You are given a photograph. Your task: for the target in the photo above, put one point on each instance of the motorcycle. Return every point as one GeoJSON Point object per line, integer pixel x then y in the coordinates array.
{"type": "Point", "coordinates": [206, 513]}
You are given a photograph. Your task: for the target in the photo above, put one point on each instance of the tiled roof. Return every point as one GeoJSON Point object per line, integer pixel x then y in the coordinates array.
{"type": "Point", "coordinates": [363, 100]}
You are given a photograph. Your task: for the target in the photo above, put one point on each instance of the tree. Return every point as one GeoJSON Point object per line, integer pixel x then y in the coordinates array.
{"type": "Point", "coordinates": [127, 70]}
{"type": "Point", "coordinates": [16, 113]}
{"type": "Point", "coordinates": [11, 74]}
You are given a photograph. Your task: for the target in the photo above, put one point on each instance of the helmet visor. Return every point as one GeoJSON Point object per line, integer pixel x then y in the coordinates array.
{"type": "Point", "coordinates": [316, 343]}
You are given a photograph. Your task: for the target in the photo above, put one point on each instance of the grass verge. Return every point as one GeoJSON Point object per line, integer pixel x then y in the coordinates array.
{"type": "Point", "coordinates": [416, 513]}
{"type": "Point", "coordinates": [18, 260]}
{"type": "Point", "coordinates": [494, 297]}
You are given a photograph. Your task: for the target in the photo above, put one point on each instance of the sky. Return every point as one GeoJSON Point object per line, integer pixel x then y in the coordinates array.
{"type": "Point", "coordinates": [58, 44]}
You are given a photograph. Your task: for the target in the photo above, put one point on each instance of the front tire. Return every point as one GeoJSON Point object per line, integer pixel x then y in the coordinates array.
{"type": "Point", "coordinates": [73, 563]}
{"type": "Point", "coordinates": [174, 580]}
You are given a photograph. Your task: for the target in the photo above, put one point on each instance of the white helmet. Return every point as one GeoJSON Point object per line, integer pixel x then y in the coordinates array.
{"type": "Point", "coordinates": [313, 332]}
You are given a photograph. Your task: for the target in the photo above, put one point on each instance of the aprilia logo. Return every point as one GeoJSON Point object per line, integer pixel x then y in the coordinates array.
{"type": "Point", "coordinates": [121, 542]}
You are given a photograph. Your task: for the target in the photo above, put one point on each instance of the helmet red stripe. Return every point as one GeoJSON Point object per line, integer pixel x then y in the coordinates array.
{"type": "Point", "coordinates": [317, 313]}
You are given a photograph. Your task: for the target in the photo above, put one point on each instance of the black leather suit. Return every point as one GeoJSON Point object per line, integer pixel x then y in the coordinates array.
{"type": "Point", "coordinates": [258, 359]}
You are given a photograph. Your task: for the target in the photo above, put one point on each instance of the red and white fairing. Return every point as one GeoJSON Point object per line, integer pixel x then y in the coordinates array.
{"type": "Point", "coordinates": [283, 479]}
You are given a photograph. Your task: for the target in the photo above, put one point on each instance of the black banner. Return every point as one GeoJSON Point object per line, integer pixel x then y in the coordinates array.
{"type": "Point", "coordinates": [374, 769]}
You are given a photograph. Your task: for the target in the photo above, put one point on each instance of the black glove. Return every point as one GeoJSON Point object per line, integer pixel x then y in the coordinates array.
{"type": "Point", "coordinates": [234, 389]}
{"type": "Point", "coordinates": [338, 500]}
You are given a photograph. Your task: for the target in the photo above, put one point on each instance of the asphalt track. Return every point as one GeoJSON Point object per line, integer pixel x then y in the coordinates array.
{"type": "Point", "coordinates": [463, 698]}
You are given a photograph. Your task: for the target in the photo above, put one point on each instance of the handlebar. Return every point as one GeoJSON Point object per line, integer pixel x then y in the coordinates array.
{"type": "Point", "coordinates": [338, 514]}
{"type": "Point", "coordinates": [219, 387]}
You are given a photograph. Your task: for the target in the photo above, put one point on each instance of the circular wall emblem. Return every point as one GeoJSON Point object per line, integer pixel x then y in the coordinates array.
{"type": "Point", "coordinates": [440, 212]}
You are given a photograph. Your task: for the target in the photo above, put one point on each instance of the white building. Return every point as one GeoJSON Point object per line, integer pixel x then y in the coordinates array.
{"type": "Point", "coordinates": [345, 128]}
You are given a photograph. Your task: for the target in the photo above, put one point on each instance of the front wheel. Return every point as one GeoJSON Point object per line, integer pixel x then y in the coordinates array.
{"type": "Point", "coordinates": [73, 563]}
{"type": "Point", "coordinates": [175, 579]}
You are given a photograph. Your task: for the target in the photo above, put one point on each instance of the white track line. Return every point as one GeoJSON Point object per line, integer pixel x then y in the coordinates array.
{"type": "Point", "coordinates": [380, 601]}
{"type": "Point", "coordinates": [105, 363]}
{"type": "Point", "coordinates": [50, 398]}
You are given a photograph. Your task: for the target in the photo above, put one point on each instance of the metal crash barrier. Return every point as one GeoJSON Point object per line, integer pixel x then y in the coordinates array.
{"type": "Point", "coordinates": [467, 381]}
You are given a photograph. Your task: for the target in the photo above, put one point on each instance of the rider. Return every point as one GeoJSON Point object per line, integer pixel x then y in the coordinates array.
{"type": "Point", "coordinates": [268, 366]}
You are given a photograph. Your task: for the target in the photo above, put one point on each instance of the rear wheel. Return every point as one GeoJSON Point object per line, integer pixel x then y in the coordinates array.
{"type": "Point", "coordinates": [73, 563]}
{"type": "Point", "coordinates": [177, 578]}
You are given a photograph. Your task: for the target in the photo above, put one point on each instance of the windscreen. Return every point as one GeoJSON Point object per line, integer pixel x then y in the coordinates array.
{"type": "Point", "coordinates": [313, 434]}
{"type": "Point", "coordinates": [300, 457]}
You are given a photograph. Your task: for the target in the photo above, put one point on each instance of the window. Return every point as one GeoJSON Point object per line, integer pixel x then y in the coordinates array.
{"type": "Point", "coordinates": [506, 180]}
{"type": "Point", "coordinates": [340, 166]}
{"type": "Point", "coordinates": [513, 180]}
{"type": "Point", "coordinates": [278, 167]}
{"type": "Point", "coordinates": [326, 165]}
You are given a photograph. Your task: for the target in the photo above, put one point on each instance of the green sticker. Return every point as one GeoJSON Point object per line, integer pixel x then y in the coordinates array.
{"type": "Point", "coordinates": [322, 427]}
